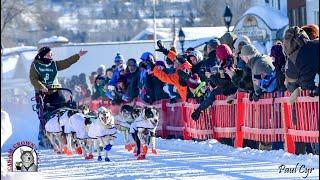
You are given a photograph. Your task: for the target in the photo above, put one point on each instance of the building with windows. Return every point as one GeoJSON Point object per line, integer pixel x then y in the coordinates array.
{"type": "Point", "coordinates": [264, 25]}
{"type": "Point", "coordinates": [312, 9]}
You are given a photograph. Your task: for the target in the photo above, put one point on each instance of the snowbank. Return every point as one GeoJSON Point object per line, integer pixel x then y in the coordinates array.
{"type": "Point", "coordinates": [6, 131]}
{"type": "Point", "coordinates": [25, 124]}
{"type": "Point", "coordinates": [215, 148]}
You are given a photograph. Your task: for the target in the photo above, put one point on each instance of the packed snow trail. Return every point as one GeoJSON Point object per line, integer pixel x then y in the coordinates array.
{"type": "Point", "coordinates": [176, 159]}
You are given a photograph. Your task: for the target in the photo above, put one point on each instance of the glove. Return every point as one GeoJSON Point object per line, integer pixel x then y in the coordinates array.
{"type": "Point", "coordinates": [108, 147]}
{"type": "Point", "coordinates": [125, 98]}
{"type": "Point", "coordinates": [183, 75]}
{"type": "Point", "coordinates": [294, 95]}
{"type": "Point", "coordinates": [162, 48]}
{"type": "Point", "coordinates": [314, 92]}
{"type": "Point", "coordinates": [250, 96]}
{"type": "Point", "coordinates": [254, 97]}
{"type": "Point", "coordinates": [109, 95]}
{"type": "Point", "coordinates": [195, 115]}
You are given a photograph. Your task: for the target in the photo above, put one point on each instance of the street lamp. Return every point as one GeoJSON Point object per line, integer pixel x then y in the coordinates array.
{"type": "Point", "coordinates": [227, 16]}
{"type": "Point", "coordinates": [181, 36]}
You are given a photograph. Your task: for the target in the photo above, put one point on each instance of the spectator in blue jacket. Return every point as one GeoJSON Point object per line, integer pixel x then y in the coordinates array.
{"type": "Point", "coordinates": [118, 60]}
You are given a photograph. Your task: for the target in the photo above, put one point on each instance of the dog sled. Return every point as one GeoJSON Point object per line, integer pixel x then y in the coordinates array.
{"type": "Point", "coordinates": [47, 110]}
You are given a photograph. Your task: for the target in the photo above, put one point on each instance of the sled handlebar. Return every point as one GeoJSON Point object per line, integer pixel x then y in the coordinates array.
{"type": "Point", "coordinates": [63, 89]}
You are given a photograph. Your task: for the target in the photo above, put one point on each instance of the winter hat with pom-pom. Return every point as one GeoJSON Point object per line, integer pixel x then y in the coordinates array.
{"type": "Point", "coordinates": [118, 58]}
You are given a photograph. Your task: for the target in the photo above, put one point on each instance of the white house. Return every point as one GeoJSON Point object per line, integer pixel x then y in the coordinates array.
{"type": "Point", "coordinates": [312, 8]}
{"type": "Point", "coordinates": [263, 25]}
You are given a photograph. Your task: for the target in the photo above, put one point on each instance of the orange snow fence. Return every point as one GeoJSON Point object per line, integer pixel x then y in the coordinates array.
{"type": "Point", "coordinates": [271, 119]}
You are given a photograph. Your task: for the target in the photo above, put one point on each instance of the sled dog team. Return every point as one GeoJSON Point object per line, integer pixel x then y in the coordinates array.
{"type": "Point", "coordinates": [81, 131]}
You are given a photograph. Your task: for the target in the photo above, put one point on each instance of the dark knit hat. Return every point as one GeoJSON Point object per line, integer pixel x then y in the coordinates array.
{"type": "Point", "coordinates": [42, 52]}
{"type": "Point", "coordinates": [248, 50]}
{"type": "Point", "coordinates": [228, 38]}
{"type": "Point", "coordinates": [131, 62]}
{"type": "Point", "coordinates": [143, 65]}
{"type": "Point", "coordinates": [276, 50]}
{"type": "Point", "coordinates": [277, 53]}
{"type": "Point", "coordinates": [223, 52]}
{"type": "Point", "coordinates": [214, 43]}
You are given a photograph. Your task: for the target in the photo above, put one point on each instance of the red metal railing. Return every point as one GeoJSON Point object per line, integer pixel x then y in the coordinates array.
{"type": "Point", "coordinates": [271, 119]}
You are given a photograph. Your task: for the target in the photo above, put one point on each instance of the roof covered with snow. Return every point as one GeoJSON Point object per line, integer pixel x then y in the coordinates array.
{"type": "Point", "coordinates": [190, 32]}
{"type": "Point", "coordinates": [275, 19]}
{"type": "Point", "coordinates": [53, 39]}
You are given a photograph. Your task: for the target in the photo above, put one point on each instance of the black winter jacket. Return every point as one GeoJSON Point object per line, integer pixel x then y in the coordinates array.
{"type": "Point", "coordinates": [305, 66]}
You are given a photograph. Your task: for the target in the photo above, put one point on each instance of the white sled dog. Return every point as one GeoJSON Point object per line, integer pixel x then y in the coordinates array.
{"type": "Point", "coordinates": [103, 131]}
{"type": "Point", "coordinates": [143, 129]}
{"type": "Point", "coordinates": [54, 131]}
{"type": "Point", "coordinates": [80, 123]}
{"type": "Point", "coordinates": [123, 122]}
{"type": "Point", "coordinates": [27, 161]}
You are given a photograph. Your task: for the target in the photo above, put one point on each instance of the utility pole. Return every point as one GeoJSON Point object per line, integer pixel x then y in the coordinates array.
{"type": "Point", "coordinates": [154, 28]}
{"type": "Point", "coordinates": [173, 43]}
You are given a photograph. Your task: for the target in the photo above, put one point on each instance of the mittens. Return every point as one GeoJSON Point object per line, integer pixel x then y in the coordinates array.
{"type": "Point", "coordinates": [195, 115]}
{"type": "Point", "coordinates": [162, 48]}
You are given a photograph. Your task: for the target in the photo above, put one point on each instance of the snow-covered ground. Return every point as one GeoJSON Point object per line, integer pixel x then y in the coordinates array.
{"type": "Point", "coordinates": [176, 159]}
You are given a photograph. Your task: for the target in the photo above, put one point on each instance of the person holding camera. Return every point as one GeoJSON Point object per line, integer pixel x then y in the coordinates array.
{"type": "Point", "coordinates": [219, 82]}
{"type": "Point", "coordinates": [263, 71]}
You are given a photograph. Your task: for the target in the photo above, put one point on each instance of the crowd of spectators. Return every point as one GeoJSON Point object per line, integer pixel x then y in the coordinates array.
{"type": "Point", "coordinates": [226, 65]}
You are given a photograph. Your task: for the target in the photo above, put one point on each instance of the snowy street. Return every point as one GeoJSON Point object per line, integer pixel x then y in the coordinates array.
{"type": "Point", "coordinates": [179, 160]}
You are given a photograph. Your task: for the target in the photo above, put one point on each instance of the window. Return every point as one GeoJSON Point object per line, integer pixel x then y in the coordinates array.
{"type": "Point", "coordinates": [295, 17]}
{"type": "Point", "coordinates": [303, 16]}
{"type": "Point", "coordinates": [316, 17]}
{"type": "Point", "coordinates": [279, 4]}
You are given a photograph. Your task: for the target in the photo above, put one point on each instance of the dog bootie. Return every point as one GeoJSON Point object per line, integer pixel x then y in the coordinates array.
{"type": "Point", "coordinates": [135, 152]}
{"type": "Point", "coordinates": [127, 147]}
{"type": "Point", "coordinates": [145, 149]}
{"type": "Point", "coordinates": [107, 159]}
{"type": "Point", "coordinates": [78, 150]}
{"type": "Point", "coordinates": [141, 157]}
{"type": "Point", "coordinates": [67, 151]}
{"type": "Point", "coordinates": [154, 151]}
{"type": "Point", "coordinates": [99, 158]}
{"type": "Point", "coordinates": [108, 147]}
{"type": "Point", "coordinates": [88, 157]}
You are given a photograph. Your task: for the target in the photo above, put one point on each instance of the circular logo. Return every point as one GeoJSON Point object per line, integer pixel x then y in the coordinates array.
{"type": "Point", "coordinates": [23, 157]}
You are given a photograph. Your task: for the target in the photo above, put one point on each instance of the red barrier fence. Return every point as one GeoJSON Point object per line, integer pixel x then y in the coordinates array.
{"type": "Point", "coordinates": [271, 119]}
